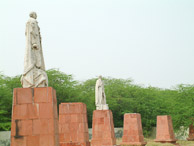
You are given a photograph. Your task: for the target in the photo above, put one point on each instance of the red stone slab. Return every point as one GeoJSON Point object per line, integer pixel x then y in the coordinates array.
{"type": "Point", "coordinates": [73, 124]}
{"type": "Point", "coordinates": [132, 131]}
{"type": "Point", "coordinates": [24, 95]}
{"type": "Point", "coordinates": [103, 128]}
{"type": "Point", "coordinates": [34, 117]}
{"type": "Point", "coordinates": [164, 130]}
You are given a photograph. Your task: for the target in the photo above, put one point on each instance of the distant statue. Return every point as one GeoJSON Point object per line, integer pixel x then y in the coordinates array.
{"type": "Point", "coordinates": [100, 95]}
{"type": "Point", "coordinates": [34, 74]}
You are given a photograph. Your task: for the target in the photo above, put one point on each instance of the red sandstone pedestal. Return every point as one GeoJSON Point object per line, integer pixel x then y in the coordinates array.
{"type": "Point", "coordinates": [34, 117]}
{"type": "Point", "coordinates": [191, 133]}
{"type": "Point", "coordinates": [164, 131]}
{"type": "Point", "coordinates": [73, 124]}
{"type": "Point", "coordinates": [103, 128]}
{"type": "Point", "coordinates": [132, 131]}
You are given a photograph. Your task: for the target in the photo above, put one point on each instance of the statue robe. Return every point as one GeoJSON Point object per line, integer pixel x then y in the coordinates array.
{"type": "Point", "coordinates": [34, 68]}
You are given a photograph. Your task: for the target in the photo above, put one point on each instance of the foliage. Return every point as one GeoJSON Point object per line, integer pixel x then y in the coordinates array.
{"type": "Point", "coordinates": [6, 88]}
{"type": "Point", "coordinates": [123, 96]}
{"type": "Point", "coordinates": [5, 142]}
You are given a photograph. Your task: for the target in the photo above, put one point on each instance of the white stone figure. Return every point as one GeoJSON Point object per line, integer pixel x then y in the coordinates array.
{"type": "Point", "coordinates": [100, 95]}
{"type": "Point", "coordinates": [34, 74]}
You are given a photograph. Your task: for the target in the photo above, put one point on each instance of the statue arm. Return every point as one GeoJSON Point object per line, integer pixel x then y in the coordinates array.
{"type": "Point", "coordinates": [33, 36]}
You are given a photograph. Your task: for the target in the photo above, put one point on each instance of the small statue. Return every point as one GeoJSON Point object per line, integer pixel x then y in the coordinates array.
{"type": "Point", "coordinates": [34, 68]}
{"type": "Point", "coordinates": [100, 95]}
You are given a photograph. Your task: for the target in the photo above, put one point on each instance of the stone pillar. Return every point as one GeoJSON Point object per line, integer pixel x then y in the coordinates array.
{"type": "Point", "coordinates": [191, 133]}
{"type": "Point", "coordinates": [34, 117]}
{"type": "Point", "coordinates": [73, 124]}
{"type": "Point", "coordinates": [103, 128]}
{"type": "Point", "coordinates": [132, 131]}
{"type": "Point", "coordinates": [164, 130]}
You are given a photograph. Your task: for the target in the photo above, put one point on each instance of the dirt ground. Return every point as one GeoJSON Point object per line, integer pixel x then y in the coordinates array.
{"type": "Point", "coordinates": [150, 142]}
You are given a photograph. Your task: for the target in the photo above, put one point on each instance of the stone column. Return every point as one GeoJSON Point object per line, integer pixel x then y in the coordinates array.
{"type": "Point", "coordinates": [164, 131]}
{"type": "Point", "coordinates": [132, 131]}
{"type": "Point", "coordinates": [103, 128]}
{"type": "Point", "coordinates": [34, 117]}
{"type": "Point", "coordinates": [73, 124]}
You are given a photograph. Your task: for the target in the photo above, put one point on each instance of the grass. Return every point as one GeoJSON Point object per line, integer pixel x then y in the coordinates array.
{"type": "Point", "coordinates": [150, 142]}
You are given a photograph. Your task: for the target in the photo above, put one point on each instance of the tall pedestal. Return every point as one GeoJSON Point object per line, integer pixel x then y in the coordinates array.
{"type": "Point", "coordinates": [103, 128]}
{"type": "Point", "coordinates": [164, 131]}
{"type": "Point", "coordinates": [132, 132]}
{"type": "Point", "coordinates": [73, 124]}
{"type": "Point", "coordinates": [34, 117]}
{"type": "Point", "coordinates": [191, 133]}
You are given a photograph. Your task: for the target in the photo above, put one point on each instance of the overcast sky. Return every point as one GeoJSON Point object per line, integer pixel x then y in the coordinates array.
{"type": "Point", "coordinates": [149, 41]}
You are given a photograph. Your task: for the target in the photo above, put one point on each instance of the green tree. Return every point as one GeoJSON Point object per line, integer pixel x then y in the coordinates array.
{"type": "Point", "coordinates": [6, 92]}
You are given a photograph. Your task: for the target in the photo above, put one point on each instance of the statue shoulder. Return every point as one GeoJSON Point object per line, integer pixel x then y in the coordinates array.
{"type": "Point", "coordinates": [31, 21]}
{"type": "Point", "coordinates": [99, 82]}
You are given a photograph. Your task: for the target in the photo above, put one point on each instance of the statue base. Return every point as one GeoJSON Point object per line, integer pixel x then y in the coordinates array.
{"type": "Point", "coordinates": [34, 117]}
{"type": "Point", "coordinates": [132, 131]}
{"type": "Point", "coordinates": [73, 124]}
{"type": "Point", "coordinates": [164, 131]}
{"type": "Point", "coordinates": [103, 128]}
{"type": "Point", "coordinates": [102, 107]}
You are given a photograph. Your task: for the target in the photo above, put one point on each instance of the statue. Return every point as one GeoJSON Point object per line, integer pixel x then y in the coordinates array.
{"type": "Point", "coordinates": [34, 74]}
{"type": "Point", "coordinates": [100, 95]}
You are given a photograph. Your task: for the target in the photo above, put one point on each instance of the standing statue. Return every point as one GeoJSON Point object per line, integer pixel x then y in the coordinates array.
{"type": "Point", "coordinates": [34, 68]}
{"type": "Point", "coordinates": [100, 95]}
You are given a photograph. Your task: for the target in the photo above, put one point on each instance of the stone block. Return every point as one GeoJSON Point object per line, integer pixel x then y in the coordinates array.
{"type": "Point", "coordinates": [33, 141]}
{"type": "Point", "coordinates": [33, 111]}
{"type": "Point", "coordinates": [20, 112]}
{"type": "Point", "coordinates": [46, 110]}
{"type": "Point", "coordinates": [23, 127]}
{"type": "Point", "coordinates": [43, 96]}
{"type": "Point", "coordinates": [24, 95]}
{"type": "Point", "coordinates": [101, 135]}
{"type": "Point", "coordinates": [132, 131]}
{"type": "Point", "coordinates": [34, 120]}
{"type": "Point", "coordinates": [20, 141]}
{"type": "Point", "coordinates": [47, 140]}
{"type": "Point", "coordinates": [164, 130]}
{"type": "Point", "coordinates": [73, 124]}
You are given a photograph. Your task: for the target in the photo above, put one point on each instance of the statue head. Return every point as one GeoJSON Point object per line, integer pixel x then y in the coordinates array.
{"type": "Point", "coordinates": [33, 15]}
{"type": "Point", "coordinates": [100, 77]}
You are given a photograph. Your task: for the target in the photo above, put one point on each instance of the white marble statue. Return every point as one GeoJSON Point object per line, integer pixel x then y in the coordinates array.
{"type": "Point", "coordinates": [100, 95]}
{"type": "Point", "coordinates": [34, 74]}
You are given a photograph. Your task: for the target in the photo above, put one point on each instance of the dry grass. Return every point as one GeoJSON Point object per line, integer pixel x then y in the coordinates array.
{"type": "Point", "coordinates": [150, 142]}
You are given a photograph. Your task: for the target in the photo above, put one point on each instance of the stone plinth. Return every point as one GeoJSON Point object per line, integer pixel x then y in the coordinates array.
{"type": "Point", "coordinates": [34, 117]}
{"type": "Point", "coordinates": [103, 128]}
{"type": "Point", "coordinates": [191, 133]}
{"type": "Point", "coordinates": [164, 131]}
{"type": "Point", "coordinates": [73, 125]}
{"type": "Point", "coordinates": [132, 131]}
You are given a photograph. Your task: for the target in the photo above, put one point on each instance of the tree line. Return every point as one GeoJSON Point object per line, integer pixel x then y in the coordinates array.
{"type": "Point", "coordinates": [123, 96]}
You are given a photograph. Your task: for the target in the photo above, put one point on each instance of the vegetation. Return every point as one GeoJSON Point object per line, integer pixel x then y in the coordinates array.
{"type": "Point", "coordinates": [123, 96]}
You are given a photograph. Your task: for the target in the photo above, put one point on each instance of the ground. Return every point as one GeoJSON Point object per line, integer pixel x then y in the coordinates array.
{"type": "Point", "coordinates": [150, 142]}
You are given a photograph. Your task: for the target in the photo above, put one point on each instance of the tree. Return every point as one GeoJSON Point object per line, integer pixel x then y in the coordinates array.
{"type": "Point", "coordinates": [6, 89]}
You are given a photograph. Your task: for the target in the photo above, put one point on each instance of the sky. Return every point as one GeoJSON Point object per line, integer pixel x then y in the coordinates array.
{"type": "Point", "coordinates": [148, 41]}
